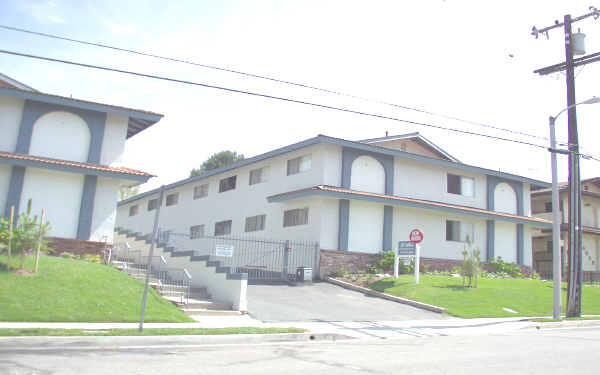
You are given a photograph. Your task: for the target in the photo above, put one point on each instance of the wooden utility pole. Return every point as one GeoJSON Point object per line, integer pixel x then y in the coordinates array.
{"type": "Point", "coordinates": [574, 276]}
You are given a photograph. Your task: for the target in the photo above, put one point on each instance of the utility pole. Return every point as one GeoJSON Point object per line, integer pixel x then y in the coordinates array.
{"type": "Point", "coordinates": [574, 276]}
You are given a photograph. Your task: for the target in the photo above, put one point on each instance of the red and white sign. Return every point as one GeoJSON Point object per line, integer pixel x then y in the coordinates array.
{"type": "Point", "coordinates": [415, 236]}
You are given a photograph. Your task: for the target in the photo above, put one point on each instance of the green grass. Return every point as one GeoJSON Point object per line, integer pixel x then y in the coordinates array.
{"type": "Point", "coordinates": [146, 332]}
{"type": "Point", "coordinates": [66, 290]}
{"type": "Point", "coordinates": [527, 297]}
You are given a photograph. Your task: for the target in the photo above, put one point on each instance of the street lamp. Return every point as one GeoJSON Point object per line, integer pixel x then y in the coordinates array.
{"type": "Point", "coordinates": [556, 256]}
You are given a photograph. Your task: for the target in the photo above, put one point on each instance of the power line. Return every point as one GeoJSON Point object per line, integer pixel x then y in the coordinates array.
{"type": "Point", "coordinates": [280, 98]}
{"type": "Point", "coordinates": [306, 86]}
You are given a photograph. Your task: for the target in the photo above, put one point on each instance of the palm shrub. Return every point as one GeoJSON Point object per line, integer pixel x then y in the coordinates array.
{"type": "Point", "coordinates": [471, 268]}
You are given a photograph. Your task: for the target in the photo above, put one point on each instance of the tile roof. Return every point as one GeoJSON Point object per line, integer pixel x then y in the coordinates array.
{"type": "Point", "coordinates": [432, 204]}
{"type": "Point", "coordinates": [68, 163]}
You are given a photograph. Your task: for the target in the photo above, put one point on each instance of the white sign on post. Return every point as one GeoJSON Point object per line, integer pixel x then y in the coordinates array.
{"type": "Point", "coordinates": [224, 250]}
{"type": "Point", "coordinates": [409, 249]}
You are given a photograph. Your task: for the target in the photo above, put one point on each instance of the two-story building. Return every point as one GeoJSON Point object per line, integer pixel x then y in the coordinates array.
{"type": "Point", "coordinates": [63, 153]}
{"type": "Point", "coordinates": [541, 203]}
{"type": "Point", "coordinates": [356, 196]}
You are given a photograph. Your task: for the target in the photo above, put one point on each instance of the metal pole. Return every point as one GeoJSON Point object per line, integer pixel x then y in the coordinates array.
{"type": "Point", "coordinates": [574, 279]}
{"type": "Point", "coordinates": [417, 261]}
{"type": "Point", "coordinates": [153, 241]}
{"type": "Point", "coordinates": [556, 256]}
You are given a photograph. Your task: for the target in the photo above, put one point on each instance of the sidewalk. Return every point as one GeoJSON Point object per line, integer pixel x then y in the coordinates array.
{"type": "Point", "coordinates": [354, 329]}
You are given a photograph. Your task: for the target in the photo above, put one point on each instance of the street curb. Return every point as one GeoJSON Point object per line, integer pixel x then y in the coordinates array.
{"type": "Point", "coordinates": [389, 297]}
{"type": "Point", "coordinates": [565, 324]}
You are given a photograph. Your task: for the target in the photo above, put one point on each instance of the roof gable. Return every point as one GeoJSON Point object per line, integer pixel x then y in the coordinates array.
{"type": "Point", "coordinates": [413, 143]}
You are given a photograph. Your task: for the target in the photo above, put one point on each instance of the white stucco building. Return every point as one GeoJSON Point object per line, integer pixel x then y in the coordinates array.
{"type": "Point", "coordinates": [357, 196]}
{"type": "Point", "coordinates": [64, 153]}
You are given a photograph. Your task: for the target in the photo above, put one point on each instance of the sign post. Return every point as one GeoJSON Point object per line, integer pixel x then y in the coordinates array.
{"type": "Point", "coordinates": [410, 249]}
{"type": "Point", "coordinates": [416, 236]}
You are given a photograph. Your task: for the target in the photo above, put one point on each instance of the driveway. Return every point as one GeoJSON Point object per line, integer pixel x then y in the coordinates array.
{"type": "Point", "coordinates": [322, 301]}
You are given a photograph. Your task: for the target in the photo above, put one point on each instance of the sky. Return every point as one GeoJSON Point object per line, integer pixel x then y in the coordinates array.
{"type": "Point", "coordinates": [472, 60]}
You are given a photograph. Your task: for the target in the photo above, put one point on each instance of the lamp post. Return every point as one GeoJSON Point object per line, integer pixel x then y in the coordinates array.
{"type": "Point", "coordinates": [556, 256]}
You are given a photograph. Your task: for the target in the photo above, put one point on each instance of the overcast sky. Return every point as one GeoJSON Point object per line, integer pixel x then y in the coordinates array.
{"type": "Point", "coordinates": [468, 59]}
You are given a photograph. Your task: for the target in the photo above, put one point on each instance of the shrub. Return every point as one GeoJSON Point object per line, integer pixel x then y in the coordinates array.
{"type": "Point", "coordinates": [385, 261]}
{"type": "Point", "coordinates": [471, 268]}
{"type": "Point", "coordinates": [500, 266]}
{"type": "Point", "coordinates": [68, 255]}
{"type": "Point", "coordinates": [342, 272]}
{"type": "Point", "coordinates": [92, 258]}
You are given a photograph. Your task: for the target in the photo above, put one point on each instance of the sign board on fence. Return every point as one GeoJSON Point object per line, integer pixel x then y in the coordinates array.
{"type": "Point", "coordinates": [224, 251]}
{"type": "Point", "coordinates": [407, 248]}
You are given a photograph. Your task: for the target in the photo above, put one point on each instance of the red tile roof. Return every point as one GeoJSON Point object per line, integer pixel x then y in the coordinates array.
{"type": "Point", "coordinates": [426, 202]}
{"type": "Point", "coordinates": [97, 167]}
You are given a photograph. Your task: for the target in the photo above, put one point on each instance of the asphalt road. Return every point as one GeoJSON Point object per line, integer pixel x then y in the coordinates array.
{"type": "Point", "coordinates": [556, 351]}
{"type": "Point", "coordinates": [323, 301]}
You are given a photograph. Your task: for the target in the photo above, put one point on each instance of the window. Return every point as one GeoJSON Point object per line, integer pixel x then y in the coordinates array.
{"type": "Point", "coordinates": [298, 216]}
{"type": "Point", "coordinates": [222, 228]}
{"type": "Point", "coordinates": [258, 175]}
{"type": "Point", "coordinates": [300, 164]}
{"type": "Point", "coordinates": [549, 246]}
{"type": "Point", "coordinates": [548, 206]}
{"type": "Point", "coordinates": [227, 184]}
{"type": "Point", "coordinates": [458, 231]}
{"type": "Point", "coordinates": [461, 185]}
{"type": "Point", "coordinates": [201, 191]}
{"type": "Point", "coordinates": [255, 223]}
{"type": "Point", "coordinates": [152, 204]}
{"type": "Point", "coordinates": [133, 210]}
{"type": "Point", "coordinates": [196, 231]}
{"type": "Point", "coordinates": [172, 199]}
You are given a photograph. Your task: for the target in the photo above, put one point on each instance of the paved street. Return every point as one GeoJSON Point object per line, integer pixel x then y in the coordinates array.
{"type": "Point", "coordinates": [530, 351]}
{"type": "Point", "coordinates": [325, 302]}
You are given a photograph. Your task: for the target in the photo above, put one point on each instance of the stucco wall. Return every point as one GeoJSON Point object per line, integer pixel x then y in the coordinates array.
{"type": "Point", "coordinates": [243, 201]}
{"type": "Point", "coordinates": [505, 244]}
{"type": "Point", "coordinates": [505, 199]}
{"type": "Point", "coordinates": [367, 175]}
{"type": "Point", "coordinates": [5, 171]}
{"type": "Point", "coordinates": [433, 226]}
{"type": "Point", "coordinates": [105, 209]}
{"type": "Point", "coordinates": [11, 112]}
{"type": "Point", "coordinates": [589, 254]}
{"type": "Point", "coordinates": [329, 216]}
{"type": "Point", "coordinates": [61, 135]}
{"type": "Point", "coordinates": [426, 181]}
{"type": "Point", "coordinates": [59, 193]}
{"type": "Point", "coordinates": [365, 231]}
{"type": "Point", "coordinates": [113, 144]}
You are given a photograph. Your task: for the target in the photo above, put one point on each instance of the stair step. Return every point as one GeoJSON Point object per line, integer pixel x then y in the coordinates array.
{"type": "Point", "coordinates": [194, 304]}
{"type": "Point", "coordinates": [205, 312]}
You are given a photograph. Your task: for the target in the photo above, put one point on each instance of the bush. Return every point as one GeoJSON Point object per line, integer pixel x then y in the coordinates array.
{"type": "Point", "coordinates": [501, 267]}
{"type": "Point", "coordinates": [385, 261]}
{"type": "Point", "coordinates": [68, 255]}
{"type": "Point", "coordinates": [92, 258]}
{"type": "Point", "coordinates": [471, 268]}
{"type": "Point", "coordinates": [342, 272]}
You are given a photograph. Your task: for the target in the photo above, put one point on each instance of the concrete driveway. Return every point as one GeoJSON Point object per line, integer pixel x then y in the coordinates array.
{"type": "Point", "coordinates": [322, 301]}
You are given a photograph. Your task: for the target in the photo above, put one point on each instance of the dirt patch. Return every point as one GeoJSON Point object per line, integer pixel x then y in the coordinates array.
{"type": "Point", "coordinates": [363, 280]}
{"type": "Point", "coordinates": [21, 272]}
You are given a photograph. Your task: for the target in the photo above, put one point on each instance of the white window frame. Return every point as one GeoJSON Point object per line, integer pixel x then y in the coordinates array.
{"type": "Point", "coordinates": [465, 229]}
{"type": "Point", "coordinates": [223, 222]}
{"type": "Point", "coordinates": [153, 203]}
{"type": "Point", "coordinates": [172, 199]}
{"type": "Point", "coordinates": [228, 178]}
{"type": "Point", "coordinates": [195, 233]}
{"type": "Point", "coordinates": [463, 180]}
{"type": "Point", "coordinates": [262, 175]}
{"type": "Point", "coordinates": [255, 223]}
{"type": "Point", "coordinates": [201, 191]}
{"type": "Point", "coordinates": [134, 210]}
{"type": "Point", "coordinates": [299, 165]}
{"type": "Point", "coordinates": [301, 217]}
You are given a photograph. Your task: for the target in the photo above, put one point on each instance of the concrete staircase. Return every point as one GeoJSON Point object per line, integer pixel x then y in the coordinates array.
{"type": "Point", "coordinates": [195, 301]}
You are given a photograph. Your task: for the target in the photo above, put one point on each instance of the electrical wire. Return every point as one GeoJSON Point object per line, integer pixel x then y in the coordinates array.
{"type": "Point", "coordinates": [306, 86]}
{"type": "Point", "coordinates": [280, 98]}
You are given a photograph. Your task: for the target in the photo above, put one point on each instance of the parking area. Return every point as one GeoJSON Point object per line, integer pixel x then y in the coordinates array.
{"type": "Point", "coordinates": [322, 301]}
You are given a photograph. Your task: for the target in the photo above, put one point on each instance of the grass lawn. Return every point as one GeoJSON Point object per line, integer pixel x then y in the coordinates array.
{"type": "Point", "coordinates": [146, 332]}
{"type": "Point", "coordinates": [527, 297]}
{"type": "Point", "coordinates": [67, 290]}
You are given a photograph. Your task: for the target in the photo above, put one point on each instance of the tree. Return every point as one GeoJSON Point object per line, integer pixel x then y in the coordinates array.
{"type": "Point", "coordinates": [218, 160]}
{"type": "Point", "coordinates": [129, 191]}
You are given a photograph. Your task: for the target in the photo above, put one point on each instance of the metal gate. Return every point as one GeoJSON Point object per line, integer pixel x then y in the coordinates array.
{"type": "Point", "coordinates": [262, 259]}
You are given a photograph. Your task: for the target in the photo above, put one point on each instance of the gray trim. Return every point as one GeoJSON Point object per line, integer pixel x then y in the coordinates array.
{"type": "Point", "coordinates": [15, 190]}
{"type": "Point", "coordinates": [388, 224]}
{"type": "Point", "coordinates": [33, 111]}
{"type": "Point", "coordinates": [17, 84]}
{"type": "Point", "coordinates": [491, 237]}
{"type": "Point", "coordinates": [344, 224]}
{"type": "Point", "coordinates": [86, 210]}
{"type": "Point", "coordinates": [342, 143]}
{"type": "Point", "coordinates": [141, 119]}
{"type": "Point", "coordinates": [395, 202]}
{"type": "Point", "coordinates": [520, 244]}
{"type": "Point", "coordinates": [73, 169]}
{"type": "Point", "coordinates": [409, 136]}
{"type": "Point", "coordinates": [387, 162]}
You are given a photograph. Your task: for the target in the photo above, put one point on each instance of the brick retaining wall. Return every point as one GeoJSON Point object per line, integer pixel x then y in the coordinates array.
{"type": "Point", "coordinates": [79, 247]}
{"type": "Point", "coordinates": [332, 260]}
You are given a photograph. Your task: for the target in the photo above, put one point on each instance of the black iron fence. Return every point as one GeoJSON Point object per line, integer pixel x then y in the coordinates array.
{"type": "Point", "coordinates": [260, 258]}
